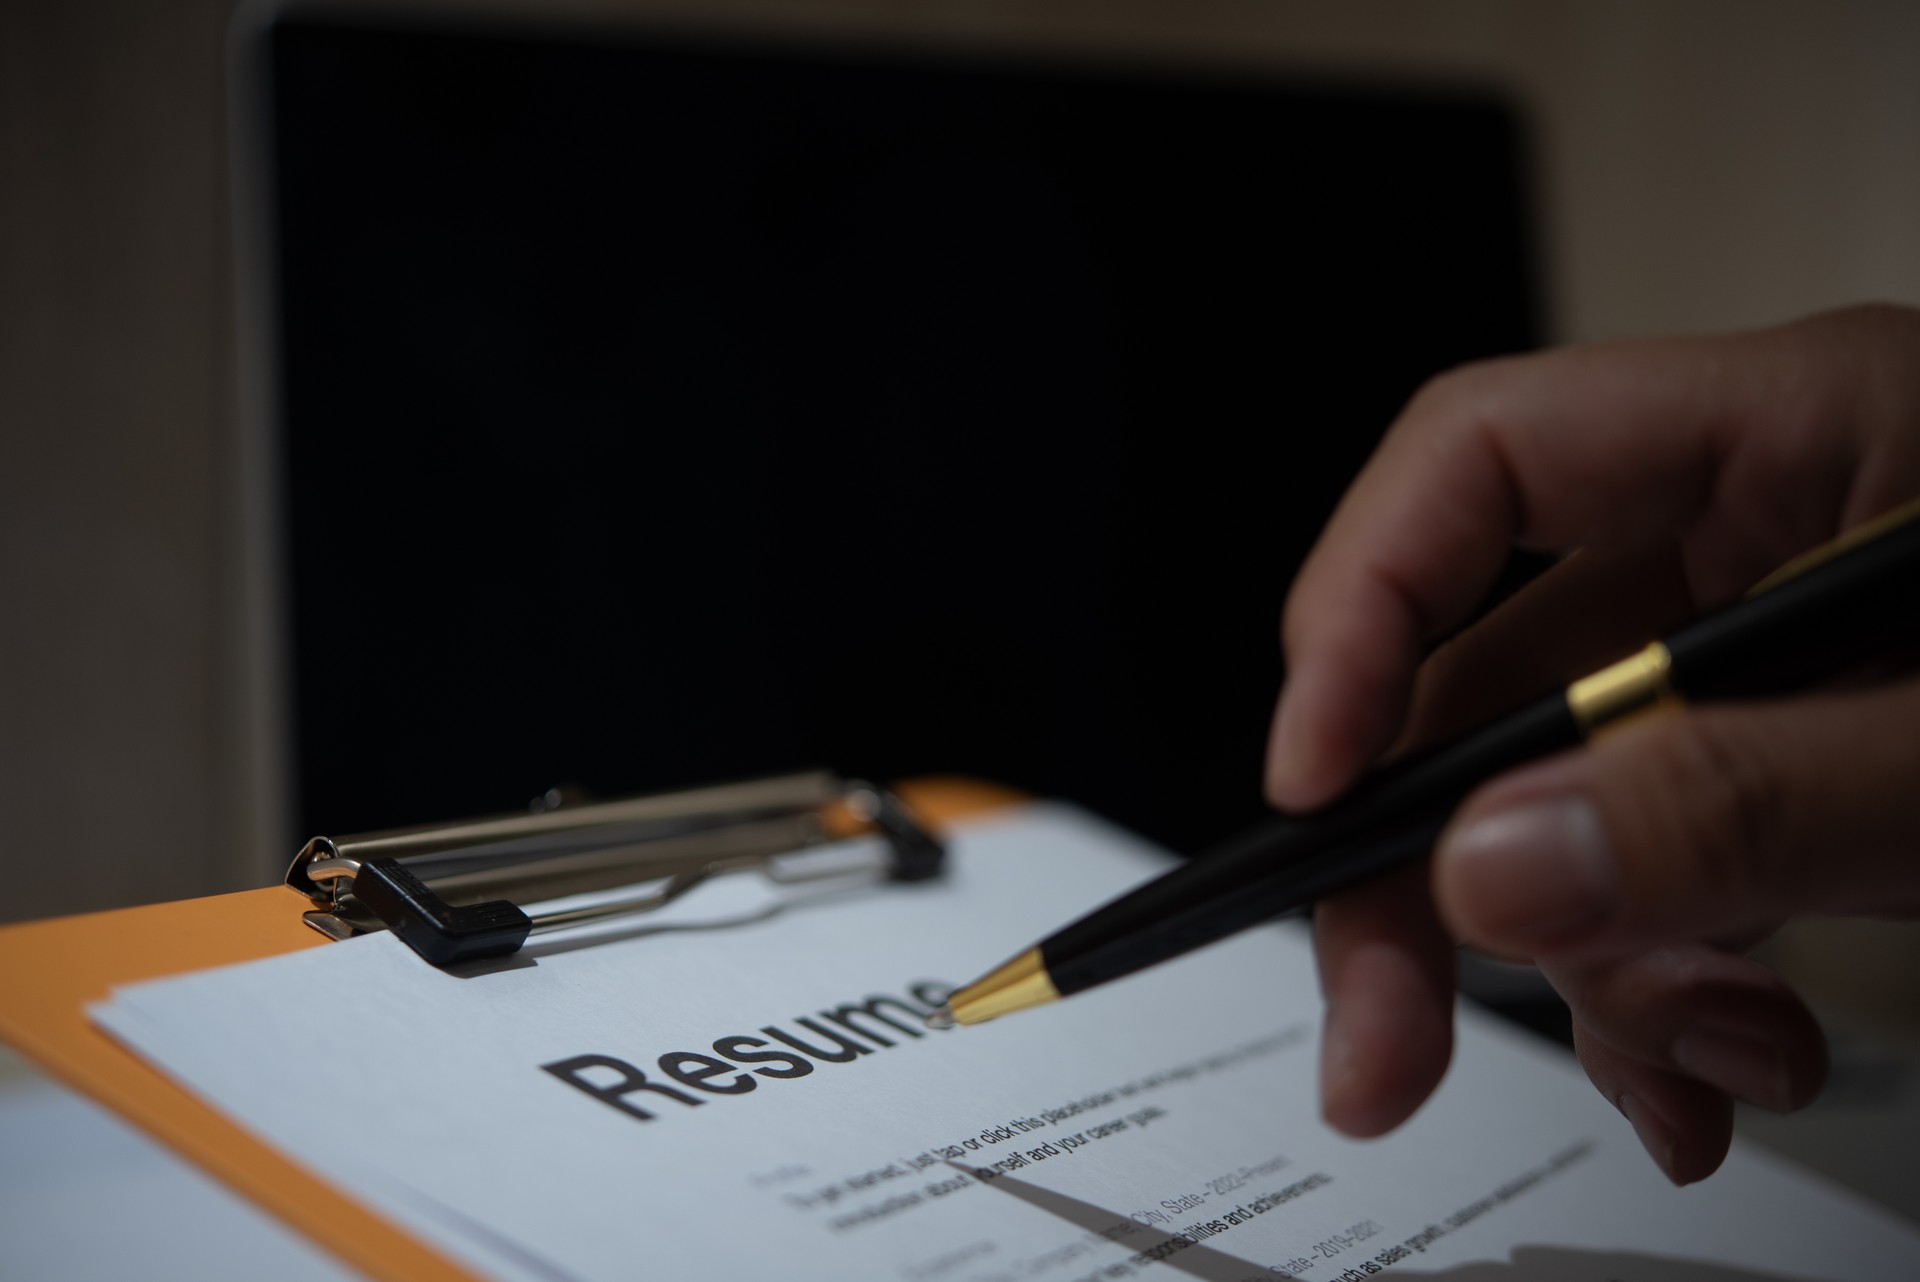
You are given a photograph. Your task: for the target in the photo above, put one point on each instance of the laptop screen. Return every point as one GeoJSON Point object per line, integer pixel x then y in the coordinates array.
{"type": "Point", "coordinates": [656, 409]}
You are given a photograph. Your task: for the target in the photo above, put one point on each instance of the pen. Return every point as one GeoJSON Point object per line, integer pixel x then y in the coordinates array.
{"type": "Point", "coordinates": [1832, 608]}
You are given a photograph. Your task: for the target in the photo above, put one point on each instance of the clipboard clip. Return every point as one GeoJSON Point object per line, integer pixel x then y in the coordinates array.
{"type": "Point", "coordinates": [450, 892]}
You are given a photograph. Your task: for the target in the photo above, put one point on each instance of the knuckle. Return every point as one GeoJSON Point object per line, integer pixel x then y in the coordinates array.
{"type": "Point", "coordinates": [1896, 320]}
{"type": "Point", "coordinates": [1464, 387]}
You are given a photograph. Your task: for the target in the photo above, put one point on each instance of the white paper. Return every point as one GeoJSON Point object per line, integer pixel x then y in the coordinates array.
{"type": "Point", "coordinates": [86, 1198]}
{"type": "Point", "coordinates": [1164, 1125]}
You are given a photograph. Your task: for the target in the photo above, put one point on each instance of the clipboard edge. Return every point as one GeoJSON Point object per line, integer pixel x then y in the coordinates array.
{"type": "Point", "coordinates": [69, 963]}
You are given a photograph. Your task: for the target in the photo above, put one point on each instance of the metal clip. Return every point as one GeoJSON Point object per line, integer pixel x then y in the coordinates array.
{"type": "Point", "coordinates": [449, 891]}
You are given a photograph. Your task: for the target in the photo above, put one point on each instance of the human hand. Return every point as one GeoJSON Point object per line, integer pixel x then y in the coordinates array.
{"type": "Point", "coordinates": [1636, 871]}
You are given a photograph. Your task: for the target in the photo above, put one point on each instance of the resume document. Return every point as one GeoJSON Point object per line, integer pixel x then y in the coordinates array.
{"type": "Point", "coordinates": [744, 1087]}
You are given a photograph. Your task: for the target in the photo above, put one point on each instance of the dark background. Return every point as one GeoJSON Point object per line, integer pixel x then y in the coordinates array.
{"type": "Point", "coordinates": [663, 410]}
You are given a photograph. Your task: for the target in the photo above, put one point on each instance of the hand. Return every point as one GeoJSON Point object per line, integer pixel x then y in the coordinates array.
{"type": "Point", "coordinates": [1637, 870]}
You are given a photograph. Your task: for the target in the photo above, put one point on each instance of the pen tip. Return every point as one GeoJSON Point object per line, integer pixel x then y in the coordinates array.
{"type": "Point", "coordinates": [942, 1017]}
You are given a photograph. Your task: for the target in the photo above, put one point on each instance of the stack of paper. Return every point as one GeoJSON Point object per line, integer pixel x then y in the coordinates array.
{"type": "Point", "coordinates": [745, 1089]}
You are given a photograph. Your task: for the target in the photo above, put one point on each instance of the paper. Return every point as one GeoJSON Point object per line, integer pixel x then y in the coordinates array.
{"type": "Point", "coordinates": [85, 1196]}
{"type": "Point", "coordinates": [749, 1093]}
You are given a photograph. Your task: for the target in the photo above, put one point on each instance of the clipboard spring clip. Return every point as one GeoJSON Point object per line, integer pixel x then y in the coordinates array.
{"type": "Point", "coordinates": [449, 892]}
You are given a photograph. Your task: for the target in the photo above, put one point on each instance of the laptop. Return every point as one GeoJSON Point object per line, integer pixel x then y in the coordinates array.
{"type": "Point", "coordinates": [650, 406]}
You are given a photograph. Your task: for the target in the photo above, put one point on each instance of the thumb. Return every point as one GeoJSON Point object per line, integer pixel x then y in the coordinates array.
{"type": "Point", "coordinates": [1695, 824]}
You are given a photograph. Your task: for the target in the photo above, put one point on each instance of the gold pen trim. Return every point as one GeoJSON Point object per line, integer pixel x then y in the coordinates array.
{"type": "Point", "coordinates": [1642, 682]}
{"type": "Point", "coordinates": [1016, 985]}
{"type": "Point", "coordinates": [1638, 683]}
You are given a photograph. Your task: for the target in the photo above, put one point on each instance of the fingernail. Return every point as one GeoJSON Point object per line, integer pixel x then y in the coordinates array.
{"type": "Point", "coordinates": [1336, 1067]}
{"type": "Point", "coordinates": [1287, 759]}
{"type": "Point", "coordinates": [1740, 1066]}
{"type": "Point", "coordinates": [1652, 1132]}
{"type": "Point", "coordinates": [1336, 1051]}
{"type": "Point", "coordinates": [1536, 874]}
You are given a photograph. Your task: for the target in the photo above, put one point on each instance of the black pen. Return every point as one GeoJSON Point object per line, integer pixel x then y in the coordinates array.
{"type": "Point", "coordinates": [1826, 611]}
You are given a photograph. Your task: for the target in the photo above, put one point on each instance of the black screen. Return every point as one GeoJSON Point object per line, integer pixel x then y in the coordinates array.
{"type": "Point", "coordinates": [660, 410]}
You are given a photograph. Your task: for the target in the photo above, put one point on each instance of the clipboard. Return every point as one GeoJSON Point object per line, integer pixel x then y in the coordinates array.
{"type": "Point", "coordinates": [56, 968]}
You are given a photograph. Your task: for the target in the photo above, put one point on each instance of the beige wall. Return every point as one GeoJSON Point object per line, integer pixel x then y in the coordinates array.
{"type": "Point", "coordinates": [114, 414]}
{"type": "Point", "coordinates": [1715, 163]}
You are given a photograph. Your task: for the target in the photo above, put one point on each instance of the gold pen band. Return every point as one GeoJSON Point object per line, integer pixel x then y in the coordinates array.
{"type": "Point", "coordinates": [1018, 984]}
{"type": "Point", "coordinates": [1638, 683]}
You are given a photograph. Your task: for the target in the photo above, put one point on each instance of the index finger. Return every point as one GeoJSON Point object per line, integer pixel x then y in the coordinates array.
{"type": "Point", "coordinates": [1741, 449]}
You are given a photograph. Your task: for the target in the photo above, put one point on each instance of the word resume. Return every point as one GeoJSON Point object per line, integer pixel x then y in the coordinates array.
{"type": "Point", "coordinates": [745, 1086]}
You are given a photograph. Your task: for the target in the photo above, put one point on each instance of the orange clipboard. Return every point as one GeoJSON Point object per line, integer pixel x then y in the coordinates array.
{"type": "Point", "coordinates": [50, 971]}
